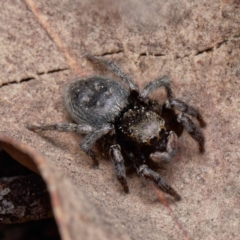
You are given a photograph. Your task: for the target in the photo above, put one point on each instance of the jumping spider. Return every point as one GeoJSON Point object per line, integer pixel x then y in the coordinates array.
{"type": "Point", "coordinates": [131, 127]}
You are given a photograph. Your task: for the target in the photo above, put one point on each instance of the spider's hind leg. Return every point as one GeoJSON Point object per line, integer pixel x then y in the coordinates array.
{"type": "Point", "coordinates": [112, 66]}
{"type": "Point", "coordinates": [62, 127]}
{"type": "Point", "coordinates": [92, 134]}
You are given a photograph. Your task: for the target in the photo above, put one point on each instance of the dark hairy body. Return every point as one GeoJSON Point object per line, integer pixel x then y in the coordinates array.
{"type": "Point", "coordinates": [126, 124]}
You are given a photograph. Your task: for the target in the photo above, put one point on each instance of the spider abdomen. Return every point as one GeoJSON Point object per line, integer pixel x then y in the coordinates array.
{"type": "Point", "coordinates": [95, 100]}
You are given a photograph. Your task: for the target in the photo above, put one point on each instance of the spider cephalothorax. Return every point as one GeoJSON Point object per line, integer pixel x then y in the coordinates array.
{"type": "Point", "coordinates": [142, 126]}
{"type": "Point", "coordinates": [127, 124]}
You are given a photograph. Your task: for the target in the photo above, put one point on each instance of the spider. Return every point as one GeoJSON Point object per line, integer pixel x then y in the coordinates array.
{"type": "Point", "coordinates": [130, 127]}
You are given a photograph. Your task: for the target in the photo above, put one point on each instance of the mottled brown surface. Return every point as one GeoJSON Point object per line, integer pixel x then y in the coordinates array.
{"type": "Point", "coordinates": [75, 214]}
{"type": "Point", "coordinates": [195, 43]}
{"type": "Point", "coordinates": [24, 198]}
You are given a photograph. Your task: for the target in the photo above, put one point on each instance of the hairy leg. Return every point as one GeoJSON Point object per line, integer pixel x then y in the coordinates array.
{"type": "Point", "coordinates": [112, 66]}
{"type": "Point", "coordinates": [149, 174]}
{"type": "Point", "coordinates": [171, 150]}
{"type": "Point", "coordinates": [171, 101]}
{"type": "Point", "coordinates": [117, 159]}
{"type": "Point", "coordinates": [185, 108]}
{"type": "Point", "coordinates": [154, 85]}
{"type": "Point", "coordinates": [62, 127]}
{"type": "Point", "coordinates": [90, 139]}
{"type": "Point", "coordinates": [193, 130]}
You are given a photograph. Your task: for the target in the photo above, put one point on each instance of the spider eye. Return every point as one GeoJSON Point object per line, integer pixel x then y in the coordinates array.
{"type": "Point", "coordinates": [153, 140]}
{"type": "Point", "coordinates": [162, 133]}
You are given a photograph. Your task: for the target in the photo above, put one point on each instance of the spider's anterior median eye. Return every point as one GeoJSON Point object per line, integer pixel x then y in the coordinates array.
{"type": "Point", "coordinates": [153, 140]}
{"type": "Point", "coordinates": [162, 133]}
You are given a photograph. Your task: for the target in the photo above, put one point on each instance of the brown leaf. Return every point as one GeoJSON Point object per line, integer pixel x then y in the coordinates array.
{"type": "Point", "coordinates": [195, 43]}
{"type": "Point", "coordinates": [74, 212]}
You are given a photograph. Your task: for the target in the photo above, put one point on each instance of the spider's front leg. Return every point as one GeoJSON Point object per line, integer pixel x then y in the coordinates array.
{"type": "Point", "coordinates": [185, 108]}
{"type": "Point", "coordinates": [171, 150]}
{"type": "Point", "coordinates": [193, 130]}
{"type": "Point", "coordinates": [186, 122]}
{"type": "Point", "coordinates": [117, 159]}
{"type": "Point", "coordinates": [149, 174]}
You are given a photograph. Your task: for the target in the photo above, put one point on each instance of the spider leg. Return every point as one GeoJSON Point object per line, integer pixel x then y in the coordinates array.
{"type": "Point", "coordinates": [62, 127]}
{"type": "Point", "coordinates": [90, 139]}
{"type": "Point", "coordinates": [149, 174]}
{"type": "Point", "coordinates": [112, 66]}
{"type": "Point", "coordinates": [117, 158]}
{"type": "Point", "coordinates": [185, 108]}
{"type": "Point", "coordinates": [154, 85]}
{"type": "Point", "coordinates": [193, 130]}
{"type": "Point", "coordinates": [171, 150]}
